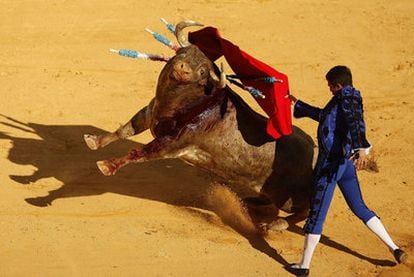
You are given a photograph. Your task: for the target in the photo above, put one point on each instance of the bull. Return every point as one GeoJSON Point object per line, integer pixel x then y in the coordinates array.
{"type": "Point", "coordinates": [197, 118]}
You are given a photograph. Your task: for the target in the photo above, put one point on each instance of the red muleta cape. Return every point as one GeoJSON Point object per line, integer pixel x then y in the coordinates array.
{"type": "Point", "coordinates": [276, 106]}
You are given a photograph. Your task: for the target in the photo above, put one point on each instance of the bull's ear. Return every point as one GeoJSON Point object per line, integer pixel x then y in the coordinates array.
{"type": "Point", "coordinates": [219, 82]}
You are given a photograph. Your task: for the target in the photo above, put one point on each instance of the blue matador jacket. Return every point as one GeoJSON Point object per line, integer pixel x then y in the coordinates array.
{"type": "Point", "coordinates": [341, 129]}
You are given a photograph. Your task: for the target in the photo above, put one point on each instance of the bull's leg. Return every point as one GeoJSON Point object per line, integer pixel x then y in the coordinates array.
{"type": "Point", "coordinates": [295, 203]}
{"type": "Point", "coordinates": [94, 142]}
{"type": "Point", "coordinates": [160, 148]}
{"type": "Point", "coordinates": [138, 123]}
{"type": "Point", "coordinates": [261, 209]}
{"type": "Point", "coordinates": [281, 224]}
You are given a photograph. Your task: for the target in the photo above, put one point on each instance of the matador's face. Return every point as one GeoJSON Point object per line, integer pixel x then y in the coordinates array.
{"type": "Point", "coordinates": [334, 88]}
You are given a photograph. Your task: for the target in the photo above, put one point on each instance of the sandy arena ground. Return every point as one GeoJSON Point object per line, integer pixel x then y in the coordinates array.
{"type": "Point", "coordinates": [60, 217]}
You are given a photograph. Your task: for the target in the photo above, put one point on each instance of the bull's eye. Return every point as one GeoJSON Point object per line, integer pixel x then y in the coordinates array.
{"type": "Point", "coordinates": [202, 72]}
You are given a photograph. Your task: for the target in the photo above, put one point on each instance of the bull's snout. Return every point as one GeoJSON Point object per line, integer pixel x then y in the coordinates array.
{"type": "Point", "coordinates": [182, 71]}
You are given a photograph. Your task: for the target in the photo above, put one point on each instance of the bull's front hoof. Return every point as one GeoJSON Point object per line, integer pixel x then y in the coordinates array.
{"type": "Point", "coordinates": [106, 167]}
{"type": "Point", "coordinates": [278, 225]}
{"type": "Point", "coordinates": [91, 141]}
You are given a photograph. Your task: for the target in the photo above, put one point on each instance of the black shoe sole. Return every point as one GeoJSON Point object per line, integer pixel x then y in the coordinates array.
{"type": "Point", "coordinates": [300, 272]}
{"type": "Point", "coordinates": [400, 256]}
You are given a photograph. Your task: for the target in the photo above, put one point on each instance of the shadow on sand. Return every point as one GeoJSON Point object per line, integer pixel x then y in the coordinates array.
{"type": "Point", "coordinates": [62, 154]}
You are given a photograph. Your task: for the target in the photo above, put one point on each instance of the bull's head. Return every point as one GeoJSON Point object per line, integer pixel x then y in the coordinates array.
{"type": "Point", "coordinates": [185, 85]}
{"type": "Point", "coordinates": [190, 65]}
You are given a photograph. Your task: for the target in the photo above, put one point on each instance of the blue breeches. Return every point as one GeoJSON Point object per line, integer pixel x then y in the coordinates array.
{"type": "Point", "coordinates": [324, 187]}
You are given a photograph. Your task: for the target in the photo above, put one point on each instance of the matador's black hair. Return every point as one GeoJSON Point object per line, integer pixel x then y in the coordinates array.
{"type": "Point", "coordinates": [339, 74]}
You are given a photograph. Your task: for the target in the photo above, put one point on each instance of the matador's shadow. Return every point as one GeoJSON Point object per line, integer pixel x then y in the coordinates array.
{"type": "Point", "coordinates": [61, 153]}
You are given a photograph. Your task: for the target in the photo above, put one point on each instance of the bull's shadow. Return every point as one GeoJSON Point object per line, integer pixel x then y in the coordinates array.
{"type": "Point", "coordinates": [62, 154]}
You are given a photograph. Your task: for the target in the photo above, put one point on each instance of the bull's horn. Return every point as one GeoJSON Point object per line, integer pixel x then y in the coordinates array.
{"type": "Point", "coordinates": [181, 38]}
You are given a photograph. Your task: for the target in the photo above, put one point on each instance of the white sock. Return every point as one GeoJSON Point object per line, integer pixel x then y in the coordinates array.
{"type": "Point", "coordinates": [375, 225]}
{"type": "Point", "coordinates": [311, 240]}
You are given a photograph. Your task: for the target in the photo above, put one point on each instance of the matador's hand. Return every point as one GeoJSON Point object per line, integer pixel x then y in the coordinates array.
{"type": "Point", "coordinates": [360, 159]}
{"type": "Point", "coordinates": [292, 98]}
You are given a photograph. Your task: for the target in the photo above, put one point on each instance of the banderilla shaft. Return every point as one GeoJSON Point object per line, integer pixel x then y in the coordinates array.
{"type": "Point", "coordinates": [137, 55]}
{"type": "Point", "coordinates": [163, 39]}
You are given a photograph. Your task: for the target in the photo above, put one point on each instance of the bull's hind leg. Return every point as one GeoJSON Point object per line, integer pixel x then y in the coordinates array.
{"type": "Point", "coordinates": [281, 224]}
{"type": "Point", "coordinates": [290, 196]}
{"type": "Point", "coordinates": [138, 123]}
{"type": "Point", "coordinates": [265, 214]}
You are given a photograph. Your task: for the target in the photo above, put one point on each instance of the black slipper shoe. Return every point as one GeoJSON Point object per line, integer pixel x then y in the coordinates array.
{"type": "Point", "coordinates": [400, 256]}
{"type": "Point", "coordinates": [301, 272]}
